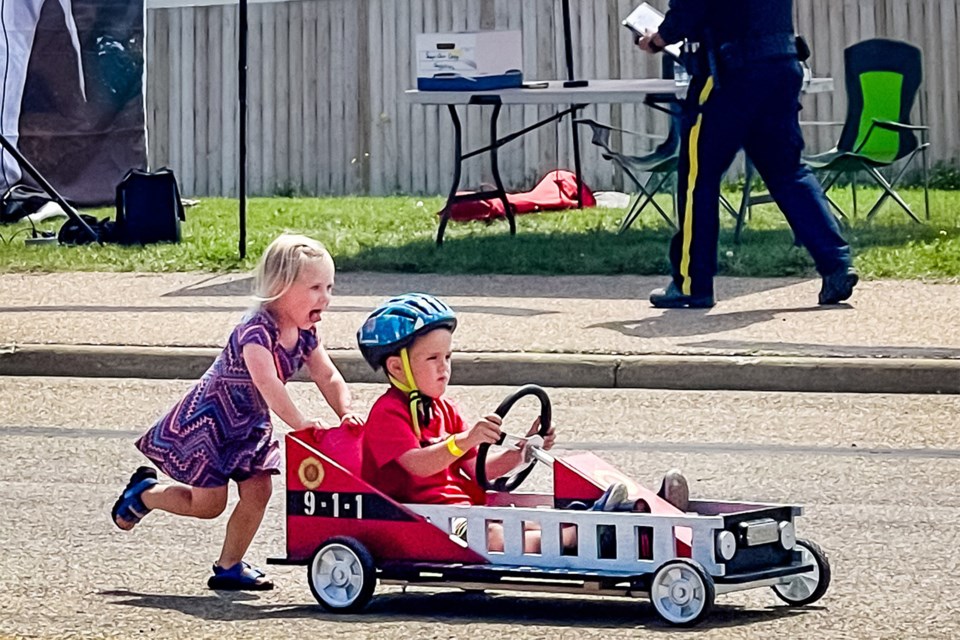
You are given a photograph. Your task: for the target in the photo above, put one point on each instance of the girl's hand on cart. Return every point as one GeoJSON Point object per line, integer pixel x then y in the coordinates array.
{"type": "Point", "coordinates": [352, 420]}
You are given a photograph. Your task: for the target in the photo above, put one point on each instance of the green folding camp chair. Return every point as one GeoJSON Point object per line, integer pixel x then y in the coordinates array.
{"type": "Point", "coordinates": [882, 78]}
{"type": "Point", "coordinates": [661, 164]}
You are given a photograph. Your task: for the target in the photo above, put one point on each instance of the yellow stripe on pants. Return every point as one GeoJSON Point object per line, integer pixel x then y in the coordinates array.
{"type": "Point", "coordinates": [686, 285]}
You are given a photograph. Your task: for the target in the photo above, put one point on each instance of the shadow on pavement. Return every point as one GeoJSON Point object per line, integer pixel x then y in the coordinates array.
{"type": "Point", "coordinates": [490, 286]}
{"type": "Point", "coordinates": [826, 350]}
{"type": "Point", "coordinates": [519, 312]}
{"type": "Point", "coordinates": [454, 608]}
{"type": "Point", "coordinates": [676, 323]}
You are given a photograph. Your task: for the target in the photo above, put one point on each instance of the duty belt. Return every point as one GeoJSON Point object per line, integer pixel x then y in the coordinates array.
{"type": "Point", "coordinates": [741, 52]}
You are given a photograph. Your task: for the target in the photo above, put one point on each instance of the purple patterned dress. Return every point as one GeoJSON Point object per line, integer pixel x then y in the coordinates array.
{"type": "Point", "coordinates": [221, 429]}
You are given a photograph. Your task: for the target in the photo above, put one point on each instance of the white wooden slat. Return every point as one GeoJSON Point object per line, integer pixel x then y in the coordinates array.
{"type": "Point", "coordinates": [530, 144]}
{"type": "Point", "coordinates": [279, 52]}
{"type": "Point", "coordinates": [229, 107]}
{"type": "Point", "coordinates": [931, 72]}
{"type": "Point", "coordinates": [158, 89]}
{"type": "Point", "coordinates": [390, 151]}
{"type": "Point", "coordinates": [549, 33]}
{"type": "Point", "coordinates": [377, 161]}
{"type": "Point", "coordinates": [309, 62]}
{"type": "Point", "coordinates": [433, 119]}
{"type": "Point", "coordinates": [187, 105]}
{"type": "Point", "coordinates": [356, 167]}
{"type": "Point", "coordinates": [322, 70]}
{"type": "Point", "coordinates": [295, 130]}
{"type": "Point", "coordinates": [915, 13]}
{"type": "Point", "coordinates": [338, 151]}
{"type": "Point", "coordinates": [255, 101]}
{"type": "Point", "coordinates": [418, 147]}
{"type": "Point", "coordinates": [949, 76]}
{"type": "Point", "coordinates": [403, 45]}
{"type": "Point", "coordinates": [202, 114]}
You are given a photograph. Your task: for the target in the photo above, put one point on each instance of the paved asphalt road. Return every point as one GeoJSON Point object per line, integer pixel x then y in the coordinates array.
{"type": "Point", "coordinates": [877, 474]}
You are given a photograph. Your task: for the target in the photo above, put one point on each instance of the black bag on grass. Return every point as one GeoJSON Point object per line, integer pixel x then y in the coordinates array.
{"type": "Point", "coordinates": [72, 233]}
{"type": "Point", "coordinates": [148, 207]}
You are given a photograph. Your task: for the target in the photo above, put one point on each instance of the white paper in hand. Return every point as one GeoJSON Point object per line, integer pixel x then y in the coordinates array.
{"type": "Point", "coordinates": [646, 18]}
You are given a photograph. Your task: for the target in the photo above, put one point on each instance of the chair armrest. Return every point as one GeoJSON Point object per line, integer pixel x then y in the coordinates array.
{"type": "Point", "coordinates": [597, 125]}
{"type": "Point", "coordinates": [899, 126]}
{"type": "Point", "coordinates": [889, 125]}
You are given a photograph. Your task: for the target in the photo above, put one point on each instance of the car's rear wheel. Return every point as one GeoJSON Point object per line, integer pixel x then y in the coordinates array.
{"type": "Point", "coordinates": [682, 592]}
{"type": "Point", "coordinates": [342, 575]}
{"type": "Point", "coordinates": [806, 588]}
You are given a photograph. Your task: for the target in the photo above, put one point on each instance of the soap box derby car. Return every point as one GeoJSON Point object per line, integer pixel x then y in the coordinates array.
{"type": "Point", "coordinates": [349, 535]}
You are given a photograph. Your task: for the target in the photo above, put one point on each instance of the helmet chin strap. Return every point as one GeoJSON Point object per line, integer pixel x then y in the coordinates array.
{"type": "Point", "coordinates": [410, 388]}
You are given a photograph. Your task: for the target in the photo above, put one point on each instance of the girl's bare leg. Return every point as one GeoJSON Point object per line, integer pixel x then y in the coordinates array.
{"type": "Point", "coordinates": [186, 501]}
{"type": "Point", "coordinates": [246, 517]}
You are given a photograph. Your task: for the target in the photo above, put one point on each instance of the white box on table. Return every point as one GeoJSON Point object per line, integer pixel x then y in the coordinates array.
{"type": "Point", "coordinates": [469, 61]}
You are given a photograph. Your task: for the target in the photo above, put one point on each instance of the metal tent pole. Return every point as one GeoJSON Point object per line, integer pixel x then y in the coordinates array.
{"type": "Point", "coordinates": [242, 96]}
{"type": "Point", "coordinates": [573, 82]}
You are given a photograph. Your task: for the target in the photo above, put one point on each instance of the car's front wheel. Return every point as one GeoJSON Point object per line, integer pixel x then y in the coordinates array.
{"type": "Point", "coordinates": [806, 588]}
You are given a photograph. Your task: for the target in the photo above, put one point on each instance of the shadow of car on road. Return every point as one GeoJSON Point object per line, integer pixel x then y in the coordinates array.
{"type": "Point", "coordinates": [452, 608]}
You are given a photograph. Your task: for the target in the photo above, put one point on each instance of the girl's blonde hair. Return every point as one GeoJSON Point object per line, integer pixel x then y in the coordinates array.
{"type": "Point", "coordinates": [281, 263]}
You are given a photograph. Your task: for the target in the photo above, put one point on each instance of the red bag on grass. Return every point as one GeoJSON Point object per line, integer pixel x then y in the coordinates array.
{"type": "Point", "coordinates": [557, 190]}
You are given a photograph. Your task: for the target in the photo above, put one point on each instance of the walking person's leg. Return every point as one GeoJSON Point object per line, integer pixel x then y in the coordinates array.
{"type": "Point", "coordinates": [774, 143]}
{"type": "Point", "coordinates": [710, 140]}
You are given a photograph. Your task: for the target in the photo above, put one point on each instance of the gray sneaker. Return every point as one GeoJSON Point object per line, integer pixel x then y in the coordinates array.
{"type": "Point", "coordinates": [612, 499]}
{"type": "Point", "coordinates": [675, 490]}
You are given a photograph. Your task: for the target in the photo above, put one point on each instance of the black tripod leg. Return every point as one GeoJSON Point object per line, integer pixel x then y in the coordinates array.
{"type": "Point", "coordinates": [46, 186]}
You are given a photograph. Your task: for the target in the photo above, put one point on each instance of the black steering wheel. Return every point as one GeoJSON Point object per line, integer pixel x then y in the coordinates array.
{"type": "Point", "coordinates": [510, 483]}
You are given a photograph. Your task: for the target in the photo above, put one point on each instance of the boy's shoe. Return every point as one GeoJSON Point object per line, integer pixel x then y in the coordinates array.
{"type": "Point", "coordinates": [672, 298]}
{"type": "Point", "coordinates": [611, 500]}
{"type": "Point", "coordinates": [675, 490]}
{"type": "Point", "coordinates": [838, 286]}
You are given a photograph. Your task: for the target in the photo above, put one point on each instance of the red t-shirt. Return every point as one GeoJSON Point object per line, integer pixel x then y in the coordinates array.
{"type": "Point", "coordinates": [389, 434]}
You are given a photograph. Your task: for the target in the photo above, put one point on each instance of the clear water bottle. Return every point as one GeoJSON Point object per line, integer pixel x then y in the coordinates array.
{"type": "Point", "coordinates": [680, 75]}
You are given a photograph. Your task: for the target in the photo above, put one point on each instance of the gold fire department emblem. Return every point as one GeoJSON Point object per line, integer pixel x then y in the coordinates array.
{"type": "Point", "coordinates": [311, 473]}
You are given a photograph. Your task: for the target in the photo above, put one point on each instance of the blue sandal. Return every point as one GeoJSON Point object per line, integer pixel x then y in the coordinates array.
{"type": "Point", "coordinates": [239, 577]}
{"type": "Point", "coordinates": [129, 506]}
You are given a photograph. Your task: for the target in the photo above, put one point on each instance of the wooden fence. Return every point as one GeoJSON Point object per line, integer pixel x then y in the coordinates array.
{"type": "Point", "coordinates": [326, 77]}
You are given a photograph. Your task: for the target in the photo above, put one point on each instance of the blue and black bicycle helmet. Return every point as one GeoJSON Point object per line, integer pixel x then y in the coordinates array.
{"type": "Point", "coordinates": [395, 323]}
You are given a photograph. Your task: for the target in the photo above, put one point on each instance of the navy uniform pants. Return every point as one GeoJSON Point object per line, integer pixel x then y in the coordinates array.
{"type": "Point", "coordinates": [756, 109]}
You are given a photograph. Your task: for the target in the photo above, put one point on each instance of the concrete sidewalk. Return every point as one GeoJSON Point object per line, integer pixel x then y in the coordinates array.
{"type": "Point", "coordinates": [595, 331]}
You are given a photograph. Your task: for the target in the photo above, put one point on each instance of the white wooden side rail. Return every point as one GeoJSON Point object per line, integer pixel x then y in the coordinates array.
{"type": "Point", "coordinates": [627, 526]}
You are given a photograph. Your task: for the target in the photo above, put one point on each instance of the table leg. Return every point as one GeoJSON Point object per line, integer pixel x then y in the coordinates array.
{"type": "Point", "coordinates": [576, 153]}
{"type": "Point", "coordinates": [745, 198]}
{"type": "Point", "coordinates": [457, 168]}
{"type": "Point", "coordinates": [495, 165]}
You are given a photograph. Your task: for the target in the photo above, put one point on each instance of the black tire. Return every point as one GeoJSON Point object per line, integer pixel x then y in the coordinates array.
{"type": "Point", "coordinates": [809, 587]}
{"type": "Point", "coordinates": [682, 593]}
{"type": "Point", "coordinates": [342, 575]}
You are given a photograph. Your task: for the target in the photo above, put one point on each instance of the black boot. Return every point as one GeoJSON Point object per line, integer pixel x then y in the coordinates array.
{"type": "Point", "coordinates": [673, 298]}
{"type": "Point", "coordinates": [838, 286]}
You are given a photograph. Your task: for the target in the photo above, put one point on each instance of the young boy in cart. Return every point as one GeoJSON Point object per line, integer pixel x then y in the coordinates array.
{"type": "Point", "coordinates": [418, 448]}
